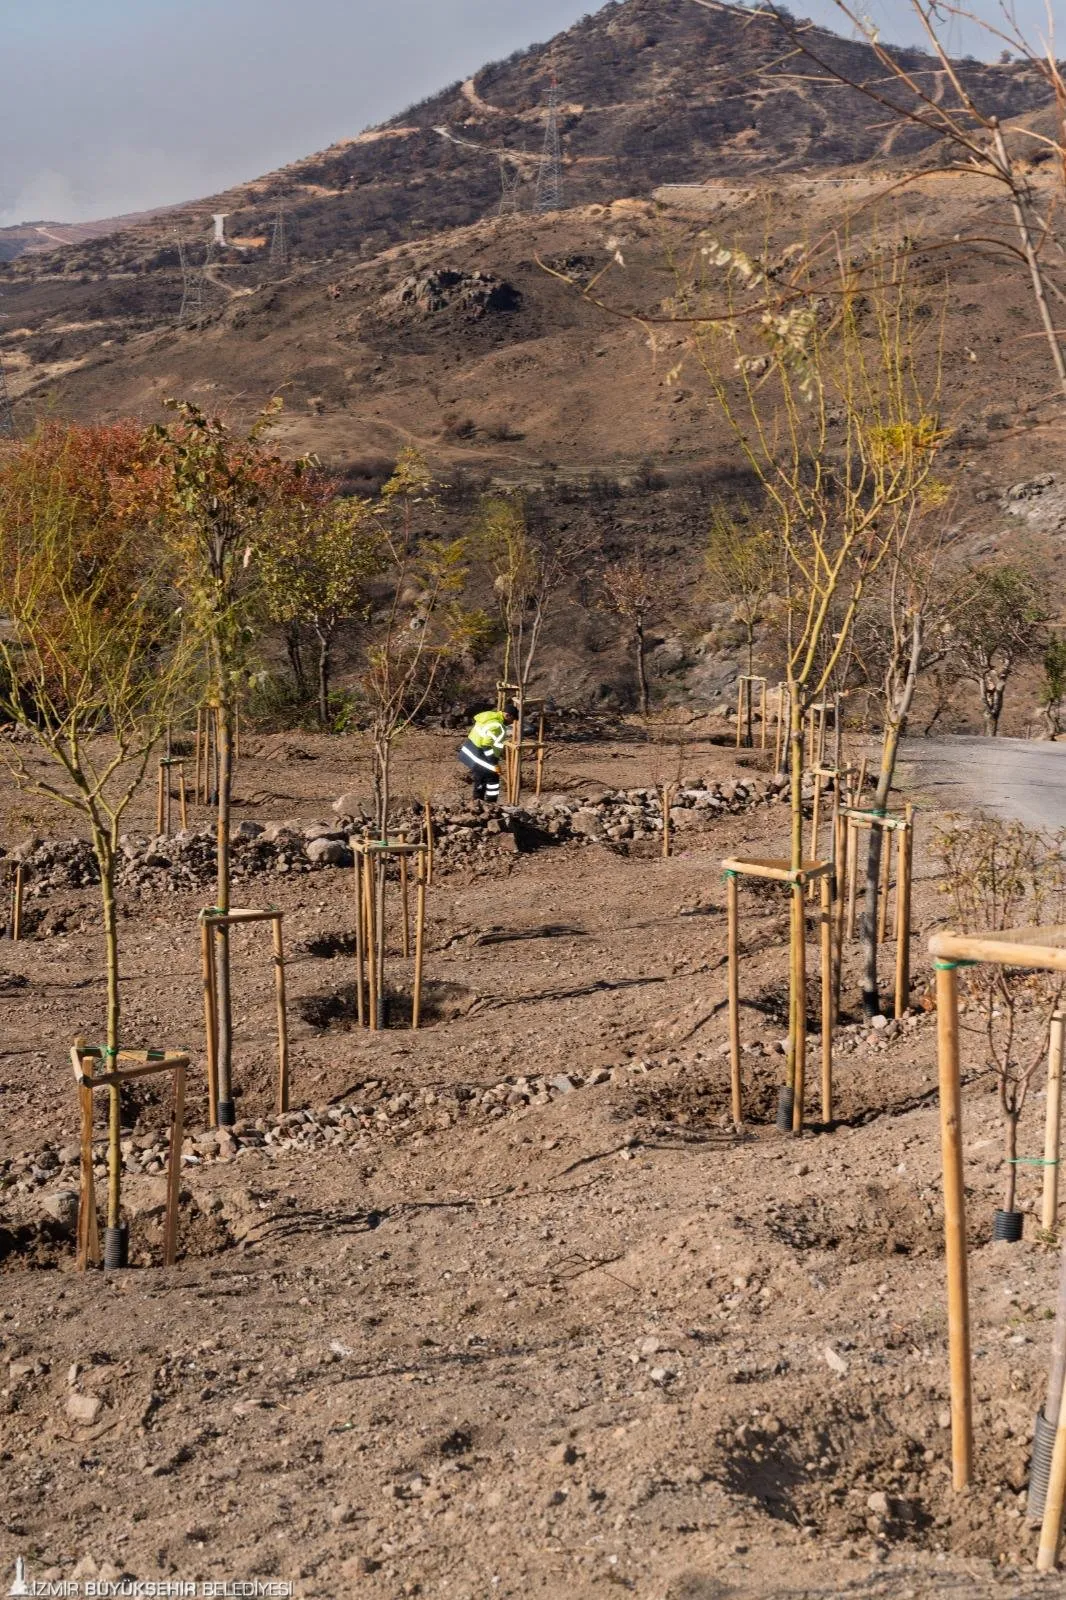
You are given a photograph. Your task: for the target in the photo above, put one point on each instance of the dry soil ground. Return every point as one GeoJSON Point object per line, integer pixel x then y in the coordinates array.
{"type": "Point", "coordinates": [474, 1348]}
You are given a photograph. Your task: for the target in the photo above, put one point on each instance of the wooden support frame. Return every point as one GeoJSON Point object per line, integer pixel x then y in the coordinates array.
{"type": "Point", "coordinates": [1043, 949]}
{"type": "Point", "coordinates": [370, 870]}
{"type": "Point", "coordinates": [129, 1065]}
{"type": "Point", "coordinates": [855, 817]}
{"type": "Point", "coordinates": [18, 882]}
{"type": "Point", "coordinates": [1049, 1210]}
{"type": "Point", "coordinates": [511, 787]}
{"type": "Point", "coordinates": [820, 872]}
{"type": "Point", "coordinates": [746, 709]}
{"type": "Point", "coordinates": [212, 922]}
{"type": "Point", "coordinates": [165, 796]}
{"type": "Point", "coordinates": [781, 722]}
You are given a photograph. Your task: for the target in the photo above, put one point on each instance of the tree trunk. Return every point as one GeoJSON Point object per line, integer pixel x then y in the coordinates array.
{"type": "Point", "coordinates": [992, 693]}
{"type": "Point", "coordinates": [1010, 1152]}
{"type": "Point", "coordinates": [105, 857]}
{"type": "Point", "coordinates": [895, 725]}
{"type": "Point", "coordinates": [382, 784]}
{"type": "Point", "coordinates": [222, 892]}
{"type": "Point", "coordinates": [324, 654]}
{"type": "Point", "coordinates": [294, 651]}
{"type": "Point", "coordinates": [796, 1000]}
{"type": "Point", "coordinates": [642, 672]}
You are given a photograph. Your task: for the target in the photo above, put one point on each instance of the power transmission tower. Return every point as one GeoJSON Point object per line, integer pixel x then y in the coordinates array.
{"type": "Point", "coordinates": [510, 178]}
{"type": "Point", "coordinates": [7, 415]}
{"type": "Point", "coordinates": [549, 177]}
{"type": "Point", "coordinates": [279, 248]}
{"type": "Point", "coordinates": [192, 289]}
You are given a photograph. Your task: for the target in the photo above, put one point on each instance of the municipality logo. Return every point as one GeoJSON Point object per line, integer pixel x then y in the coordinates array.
{"type": "Point", "coordinates": [20, 1585]}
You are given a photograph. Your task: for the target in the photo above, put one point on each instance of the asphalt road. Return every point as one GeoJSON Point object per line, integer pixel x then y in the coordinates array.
{"type": "Point", "coordinates": [1015, 779]}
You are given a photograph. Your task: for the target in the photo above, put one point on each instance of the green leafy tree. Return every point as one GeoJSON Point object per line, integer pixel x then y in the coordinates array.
{"type": "Point", "coordinates": [1001, 622]}
{"type": "Point", "coordinates": [1053, 688]}
{"type": "Point", "coordinates": [317, 558]}
{"type": "Point", "coordinates": [94, 659]}
{"type": "Point", "coordinates": [216, 487]}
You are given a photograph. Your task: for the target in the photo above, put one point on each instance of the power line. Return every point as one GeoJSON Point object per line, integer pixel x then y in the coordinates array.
{"type": "Point", "coordinates": [549, 177]}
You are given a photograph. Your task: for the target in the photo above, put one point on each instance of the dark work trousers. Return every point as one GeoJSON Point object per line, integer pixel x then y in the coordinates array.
{"type": "Point", "coordinates": [485, 770]}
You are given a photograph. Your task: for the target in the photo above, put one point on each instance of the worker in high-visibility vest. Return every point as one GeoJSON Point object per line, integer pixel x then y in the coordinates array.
{"type": "Point", "coordinates": [482, 750]}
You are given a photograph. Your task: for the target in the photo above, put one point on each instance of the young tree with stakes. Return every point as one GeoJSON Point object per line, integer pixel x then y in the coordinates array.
{"type": "Point", "coordinates": [423, 629]}
{"type": "Point", "coordinates": [824, 401]}
{"type": "Point", "coordinates": [216, 486]}
{"type": "Point", "coordinates": [96, 659]}
{"type": "Point", "coordinates": [997, 876]}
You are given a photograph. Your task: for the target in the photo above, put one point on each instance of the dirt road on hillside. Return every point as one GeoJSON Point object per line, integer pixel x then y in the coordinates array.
{"type": "Point", "coordinates": [1011, 778]}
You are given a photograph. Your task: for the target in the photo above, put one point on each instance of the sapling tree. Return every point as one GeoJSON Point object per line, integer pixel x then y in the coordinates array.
{"type": "Point", "coordinates": [95, 660]}
{"type": "Point", "coordinates": [422, 629]}
{"type": "Point", "coordinates": [631, 588]}
{"type": "Point", "coordinates": [899, 635]}
{"type": "Point", "coordinates": [998, 876]}
{"type": "Point", "coordinates": [825, 403]}
{"type": "Point", "coordinates": [215, 487]}
{"type": "Point", "coordinates": [526, 570]}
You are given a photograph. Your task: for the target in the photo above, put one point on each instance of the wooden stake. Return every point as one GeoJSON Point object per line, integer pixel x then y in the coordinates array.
{"type": "Point", "coordinates": [420, 942]}
{"type": "Point", "coordinates": [904, 870]}
{"type": "Point", "coordinates": [734, 997]}
{"type": "Point", "coordinates": [853, 876]}
{"type": "Point", "coordinates": [88, 1227]}
{"type": "Point", "coordinates": [799, 962]}
{"type": "Point", "coordinates": [161, 784]}
{"type": "Point", "coordinates": [16, 902]}
{"type": "Point", "coordinates": [360, 941]}
{"type": "Point", "coordinates": [207, 969]}
{"type": "Point", "coordinates": [840, 851]}
{"type": "Point", "coordinates": [1050, 1212]}
{"type": "Point", "coordinates": [1047, 1556]}
{"type": "Point", "coordinates": [827, 1000]}
{"type": "Point", "coordinates": [741, 685]}
{"type": "Point", "coordinates": [404, 903]}
{"type": "Point", "coordinates": [369, 873]}
{"type": "Point", "coordinates": [540, 761]}
{"type": "Point", "coordinates": [762, 723]}
{"type": "Point", "coordinates": [283, 1026]}
{"type": "Point", "coordinates": [429, 844]}
{"type": "Point", "coordinates": [779, 729]}
{"type": "Point", "coordinates": [816, 819]}
{"type": "Point", "coordinates": [177, 1133]}
{"type": "Point", "coordinates": [381, 934]}
{"type": "Point", "coordinates": [955, 1227]}
{"type": "Point", "coordinates": [884, 887]}
{"type": "Point", "coordinates": [182, 797]}
{"type": "Point", "coordinates": [199, 730]}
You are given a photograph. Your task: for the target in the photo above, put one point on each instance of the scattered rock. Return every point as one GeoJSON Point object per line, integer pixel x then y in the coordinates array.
{"type": "Point", "coordinates": [84, 1409]}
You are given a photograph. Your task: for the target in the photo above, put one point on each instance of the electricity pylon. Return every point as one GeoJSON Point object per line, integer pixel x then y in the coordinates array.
{"type": "Point", "coordinates": [549, 177]}
{"type": "Point", "coordinates": [7, 415]}
{"type": "Point", "coordinates": [279, 248]}
{"type": "Point", "coordinates": [510, 178]}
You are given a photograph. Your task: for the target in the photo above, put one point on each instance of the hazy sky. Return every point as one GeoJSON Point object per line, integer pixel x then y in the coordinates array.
{"type": "Point", "coordinates": [118, 105]}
